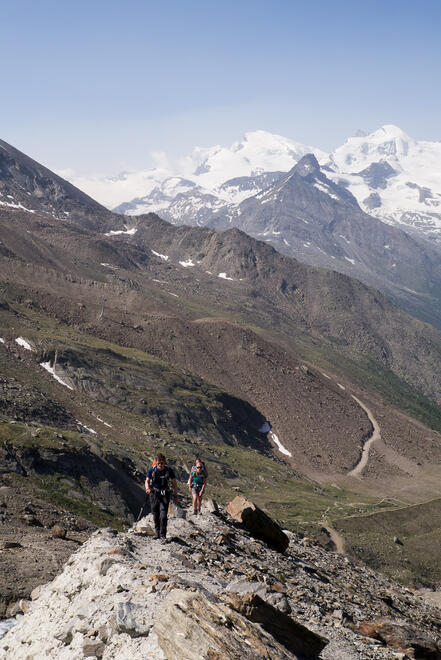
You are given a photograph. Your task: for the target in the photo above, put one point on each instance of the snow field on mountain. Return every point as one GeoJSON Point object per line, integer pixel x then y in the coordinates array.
{"type": "Point", "coordinates": [259, 151]}
{"type": "Point", "coordinates": [51, 370]}
{"type": "Point", "coordinates": [417, 163]}
{"type": "Point", "coordinates": [24, 344]}
{"type": "Point", "coordinates": [129, 232]}
{"type": "Point", "coordinates": [161, 256]}
{"type": "Point", "coordinates": [281, 448]}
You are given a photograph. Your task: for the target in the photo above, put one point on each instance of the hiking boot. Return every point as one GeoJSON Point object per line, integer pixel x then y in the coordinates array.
{"type": "Point", "coordinates": [156, 537]}
{"type": "Point", "coordinates": [163, 540]}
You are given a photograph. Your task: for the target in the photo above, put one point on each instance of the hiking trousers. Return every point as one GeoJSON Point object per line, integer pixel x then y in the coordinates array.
{"type": "Point", "coordinates": [159, 504]}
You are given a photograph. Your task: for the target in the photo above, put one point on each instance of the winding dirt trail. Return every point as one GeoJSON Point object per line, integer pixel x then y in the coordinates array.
{"type": "Point", "coordinates": [375, 437]}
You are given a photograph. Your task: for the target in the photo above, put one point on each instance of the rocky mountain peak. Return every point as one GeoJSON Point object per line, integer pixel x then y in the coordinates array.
{"type": "Point", "coordinates": [308, 165]}
{"type": "Point", "coordinates": [29, 187]}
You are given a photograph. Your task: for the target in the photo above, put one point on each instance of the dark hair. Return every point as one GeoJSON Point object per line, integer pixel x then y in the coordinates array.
{"type": "Point", "coordinates": [160, 458]}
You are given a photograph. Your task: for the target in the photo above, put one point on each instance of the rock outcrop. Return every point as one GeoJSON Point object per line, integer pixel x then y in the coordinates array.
{"type": "Point", "coordinates": [257, 523]}
{"type": "Point", "coordinates": [211, 592]}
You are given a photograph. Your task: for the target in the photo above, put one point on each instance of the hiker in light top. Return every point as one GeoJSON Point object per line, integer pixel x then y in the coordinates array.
{"type": "Point", "coordinates": [196, 484]}
{"type": "Point", "coordinates": [157, 485]}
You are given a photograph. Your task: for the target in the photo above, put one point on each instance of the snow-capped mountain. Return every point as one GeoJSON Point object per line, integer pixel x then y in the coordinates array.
{"type": "Point", "coordinates": [182, 201]}
{"type": "Point", "coordinates": [393, 177]}
{"type": "Point", "coordinates": [310, 217]}
{"type": "Point", "coordinates": [258, 153]}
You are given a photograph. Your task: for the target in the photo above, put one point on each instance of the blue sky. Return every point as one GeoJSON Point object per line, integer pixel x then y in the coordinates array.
{"type": "Point", "coordinates": [98, 86]}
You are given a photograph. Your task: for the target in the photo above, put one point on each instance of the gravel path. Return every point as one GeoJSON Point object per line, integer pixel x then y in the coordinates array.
{"type": "Point", "coordinates": [376, 435]}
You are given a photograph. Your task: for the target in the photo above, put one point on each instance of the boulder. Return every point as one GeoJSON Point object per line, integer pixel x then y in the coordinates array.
{"type": "Point", "coordinates": [143, 528]}
{"type": "Point", "coordinates": [187, 621]}
{"type": "Point", "coordinates": [293, 635]}
{"type": "Point", "coordinates": [402, 637]}
{"type": "Point", "coordinates": [210, 506]}
{"type": "Point", "coordinates": [277, 600]}
{"type": "Point", "coordinates": [58, 532]}
{"type": "Point", "coordinates": [257, 523]}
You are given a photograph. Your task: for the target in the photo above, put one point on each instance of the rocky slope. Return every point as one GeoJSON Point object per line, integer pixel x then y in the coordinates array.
{"type": "Point", "coordinates": [27, 185]}
{"type": "Point", "coordinates": [215, 591]}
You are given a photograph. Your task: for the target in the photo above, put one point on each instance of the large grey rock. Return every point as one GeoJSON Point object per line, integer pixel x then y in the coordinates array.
{"type": "Point", "coordinates": [293, 635]}
{"type": "Point", "coordinates": [258, 523]}
{"type": "Point", "coordinates": [188, 625]}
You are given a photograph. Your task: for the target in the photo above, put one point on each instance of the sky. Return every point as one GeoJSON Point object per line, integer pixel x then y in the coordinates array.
{"type": "Point", "coordinates": [106, 86]}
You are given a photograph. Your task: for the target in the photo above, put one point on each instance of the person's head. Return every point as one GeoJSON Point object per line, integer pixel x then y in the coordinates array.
{"type": "Point", "coordinates": [198, 464]}
{"type": "Point", "coordinates": [160, 460]}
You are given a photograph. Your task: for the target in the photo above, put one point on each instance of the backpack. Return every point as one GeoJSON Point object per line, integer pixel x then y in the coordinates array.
{"type": "Point", "coordinates": [167, 486]}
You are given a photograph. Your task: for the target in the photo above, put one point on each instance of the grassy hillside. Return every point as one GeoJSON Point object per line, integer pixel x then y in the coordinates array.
{"type": "Point", "coordinates": [404, 543]}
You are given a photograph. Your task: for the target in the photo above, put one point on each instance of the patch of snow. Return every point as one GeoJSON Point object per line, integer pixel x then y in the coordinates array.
{"type": "Point", "coordinates": [173, 294]}
{"type": "Point", "coordinates": [16, 206]}
{"type": "Point", "coordinates": [2, 341]}
{"type": "Point", "coordinates": [265, 428]}
{"type": "Point", "coordinates": [209, 272]}
{"type": "Point", "coordinates": [85, 427]}
{"type": "Point", "coordinates": [326, 375]}
{"type": "Point", "coordinates": [351, 260]}
{"type": "Point", "coordinates": [162, 256]}
{"type": "Point", "coordinates": [386, 247]}
{"type": "Point", "coordinates": [103, 422]}
{"type": "Point", "coordinates": [129, 232]}
{"type": "Point", "coordinates": [187, 264]}
{"type": "Point", "coordinates": [223, 276]}
{"type": "Point", "coordinates": [342, 387]}
{"type": "Point", "coordinates": [326, 189]}
{"type": "Point", "coordinates": [282, 449]}
{"type": "Point", "coordinates": [22, 342]}
{"type": "Point", "coordinates": [51, 370]}
{"type": "Point", "coordinates": [286, 242]}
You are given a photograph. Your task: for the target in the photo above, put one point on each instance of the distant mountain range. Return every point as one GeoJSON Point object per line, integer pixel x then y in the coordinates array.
{"type": "Point", "coordinates": [393, 177]}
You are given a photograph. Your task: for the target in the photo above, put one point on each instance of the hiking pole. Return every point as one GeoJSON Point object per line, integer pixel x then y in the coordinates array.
{"type": "Point", "coordinates": [142, 508]}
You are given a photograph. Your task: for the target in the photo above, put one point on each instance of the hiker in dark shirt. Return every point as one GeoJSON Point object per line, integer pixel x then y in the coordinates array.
{"type": "Point", "coordinates": [157, 485]}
